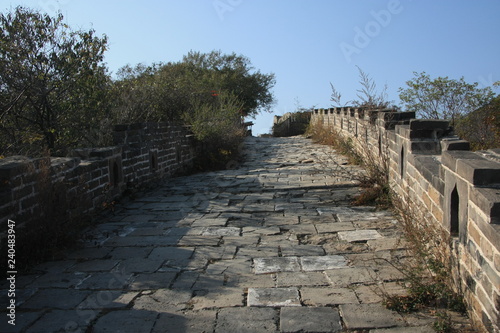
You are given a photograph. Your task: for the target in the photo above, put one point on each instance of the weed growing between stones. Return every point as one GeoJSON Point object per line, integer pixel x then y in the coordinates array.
{"type": "Point", "coordinates": [374, 180]}
{"type": "Point", "coordinates": [427, 268]}
{"type": "Point", "coordinates": [427, 264]}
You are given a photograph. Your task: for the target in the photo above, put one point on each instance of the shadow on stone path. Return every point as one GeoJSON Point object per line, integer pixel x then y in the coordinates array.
{"type": "Point", "coordinates": [269, 247]}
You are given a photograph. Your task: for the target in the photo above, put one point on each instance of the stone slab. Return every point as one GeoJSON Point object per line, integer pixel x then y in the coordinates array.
{"type": "Point", "coordinates": [334, 227]}
{"type": "Point", "coordinates": [108, 299]}
{"type": "Point", "coordinates": [129, 252]}
{"type": "Point", "coordinates": [166, 253]}
{"type": "Point", "coordinates": [359, 235]}
{"type": "Point", "coordinates": [384, 244]}
{"type": "Point", "coordinates": [302, 250]}
{"type": "Point", "coordinates": [419, 329]}
{"type": "Point", "coordinates": [249, 280]}
{"type": "Point", "coordinates": [219, 298]}
{"type": "Point", "coordinates": [257, 230]}
{"type": "Point", "coordinates": [199, 241]}
{"type": "Point", "coordinates": [23, 320]}
{"type": "Point", "coordinates": [367, 316]}
{"type": "Point", "coordinates": [225, 231]}
{"type": "Point", "coordinates": [301, 229]}
{"type": "Point", "coordinates": [126, 321]}
{"type": "Point", "coordinates": [64, 321]}
{"type": "Point", "coordinates": [146, 241]}
{"type": "Point", "coordinates": [280, 220]}
{"type": "Point", "coordinates": [140, 265]}
{"type": "Point", "coordinates": [247, 320]}
{"type": "Point", "coordinates": [306, 319]}
{"type": "Point", "coordinates": [152, 281]}
{"type": "Point", "coordinates": [95, 265]}
{"type": "Point", "coordinates": [213, 222]}
{"type": "Point", "coordinates": [117, 280]}
{"type": "Point", "coordinates": [64, 299]}
{"type": "Point", "coordinates": [289, 279]}
{"type": "Point", "coordinates": [322, 263]}
{"type": "Point", "coordinates": [273, 297]}
{"type": "Point", "coordinates": [186, 322]}
{"type": "Point", "coordinates": [258, 252]}
{"type": "Point", "coordinates": [276, 264]}
{"type": "Point", "coordinates": [327, 296]}
{"type": "Point", "coordinates": [59, 280]}
{"type": "Point", "coordinates": [162, 300]}
{"type": "Point", "coordinates": [234, 266]}
{"type": "Point", "coordinates": [350, 275]}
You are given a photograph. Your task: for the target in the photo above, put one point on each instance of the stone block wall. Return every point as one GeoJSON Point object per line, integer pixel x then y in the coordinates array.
{"type": "Point", "coordinates": [454, 188]}
{"type": "Point", "coordinates": [143, 153]}
{"type": "Point", "coordinates": [291, 124]}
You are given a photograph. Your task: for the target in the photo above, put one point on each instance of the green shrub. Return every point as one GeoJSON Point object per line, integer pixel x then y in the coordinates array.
{"type": "Point", "coordinates": [217, 125]}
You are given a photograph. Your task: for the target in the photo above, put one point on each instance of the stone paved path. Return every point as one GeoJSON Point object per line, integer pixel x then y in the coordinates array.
{"type": "Point", "coordinates": [269, 247]}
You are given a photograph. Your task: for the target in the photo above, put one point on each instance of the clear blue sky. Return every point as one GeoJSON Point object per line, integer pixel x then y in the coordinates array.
{"type": "Point", "coordinates": [306, 43]}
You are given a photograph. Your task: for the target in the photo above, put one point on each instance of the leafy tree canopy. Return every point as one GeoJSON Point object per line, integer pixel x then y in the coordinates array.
{"type": "Point", "coordinates": [165, 91]}
{"type": "Point", "coordinates": [443, 98]}
{"type": "Point", "coordinates": [482, 126]}
{"type": "Point", "coordinates": [235, 74]}
{"type": "Point", "coordinates": [51, 79]}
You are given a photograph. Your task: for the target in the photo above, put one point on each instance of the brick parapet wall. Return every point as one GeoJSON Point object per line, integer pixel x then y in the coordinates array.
{"type": "Point", "coordinates": [458, 190]}
{"type": "Point", "coordinates": [291, 124]}
{"type": "Point", "coordinates": [143, 153]}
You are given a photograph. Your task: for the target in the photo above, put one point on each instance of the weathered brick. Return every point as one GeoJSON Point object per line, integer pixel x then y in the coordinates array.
{"type": "Point", "coordinates": [487, 249]}
{"type": "Point", "coordinates": [426, 200]}
{"type": "Point", "coordinates": [497, 261]}
{"type": "Point", "coordinates": [435, 196]}
{"type": "Point", "coordinates": [437, 213]}
{"type": "Point", "coordinates": [474, 233]}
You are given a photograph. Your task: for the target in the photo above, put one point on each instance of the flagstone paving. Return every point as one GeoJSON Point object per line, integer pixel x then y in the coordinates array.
{"type": "Point", "coordinates": [272, 246]}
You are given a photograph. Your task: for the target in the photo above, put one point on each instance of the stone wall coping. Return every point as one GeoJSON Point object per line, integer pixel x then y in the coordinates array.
{"type": "Point", "coordinates": [488, 200]}
{"type": "Point", "coordinates": [449, 158]}
{"type": "Point", "coordinates": [479, 171]}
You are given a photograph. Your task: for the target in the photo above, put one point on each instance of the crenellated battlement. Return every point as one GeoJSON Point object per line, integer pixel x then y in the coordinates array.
{"type": "Point", "coordinates": [459, 189]}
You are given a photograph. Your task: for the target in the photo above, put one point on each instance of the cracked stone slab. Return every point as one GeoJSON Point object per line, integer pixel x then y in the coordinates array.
{"type": "Point", "coordinates": [262, 230]}
{"type": "Point", "coordinates": [225, 231]}
{"type": "Point", "coordinates": [273, 297]}
{"type": "Point", "coordinates": [359, 235]}
{"type": "Point", "coordinates": [305, 319]}
{"type": "Point", "coordinates": [366, 316]}
{"type": "Point", "coordinates": [351, 275]}
{"type": "Point", "coordinates": [162, 300]}
{"type": "Point", "coordinates": [276, 264]}
{"type": "Point", "coordinates": [327, 296]}
{"type": "Point", "coordinates": [321, 263]}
